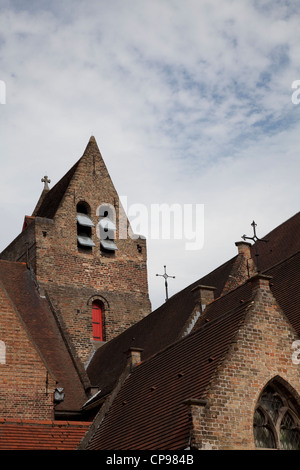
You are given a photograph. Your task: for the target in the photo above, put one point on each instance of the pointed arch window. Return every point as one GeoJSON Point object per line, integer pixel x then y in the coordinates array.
{"type": "Point", "coordinates": [97, 320]}
{"type": "Point", "coordinates": [276, 421]}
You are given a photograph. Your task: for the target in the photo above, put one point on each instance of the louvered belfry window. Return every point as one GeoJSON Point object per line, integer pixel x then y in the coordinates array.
{"type": "Point", "coordinates": [84, 227]}
{"type": "Point", "coordinates": [107, 230]}
{"type": "Point", "coordinates": [97, 320]}
{"type": "Point", "coordinates": [276, 420]}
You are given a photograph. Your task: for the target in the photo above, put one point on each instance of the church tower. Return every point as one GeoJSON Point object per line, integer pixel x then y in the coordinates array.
{"type": "Point", "coordinates": [78, 245]}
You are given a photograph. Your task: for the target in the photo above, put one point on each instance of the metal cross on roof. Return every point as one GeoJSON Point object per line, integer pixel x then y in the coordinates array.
{"type": "Point", "coordinates": [166, 276]}
{"type": "Point", "coordinates": [46, 180]}
{"type": "Point", "coordinates": [255, 239]}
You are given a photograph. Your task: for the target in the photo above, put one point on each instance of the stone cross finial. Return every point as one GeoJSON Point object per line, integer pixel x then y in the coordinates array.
{"type": "Point", "coordinates": [46, 180]}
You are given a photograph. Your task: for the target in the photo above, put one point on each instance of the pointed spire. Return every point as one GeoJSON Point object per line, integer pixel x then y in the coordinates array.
{"type": "Point", "coordinates": [92, 147]}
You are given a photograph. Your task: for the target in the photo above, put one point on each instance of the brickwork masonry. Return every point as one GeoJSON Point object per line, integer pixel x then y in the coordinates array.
{"type": "Point", "coordinates": [261, 351]}
{"type": "Point", "coordinates": [71, 276]}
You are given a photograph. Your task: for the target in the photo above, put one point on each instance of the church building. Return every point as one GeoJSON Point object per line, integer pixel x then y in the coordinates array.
{"type": "Point", "coordinates": [85, 364]}
{"type": "Point", "coordinates": [69, 283]}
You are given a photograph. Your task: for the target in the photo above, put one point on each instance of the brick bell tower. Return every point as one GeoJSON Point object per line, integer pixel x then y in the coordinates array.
{"type": "Point", "coordinates": [85, 260]}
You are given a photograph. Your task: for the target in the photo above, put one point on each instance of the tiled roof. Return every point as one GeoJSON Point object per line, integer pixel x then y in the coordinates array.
{"type": "Point", "coordinates": [283, 241]}
{"type": "Point", "coordinates": [163, 326]}
{"type": "Point", "coordinates": [285, 285]}
{"type": "Point", "coordinates": [149, 411]}
{"type": "Point", "coordinates": [18, 434]}
{"type": "Point", "coordinates": [153, 333]}
{"type": "Point", "coordinates": [279, 258]}
{"type": "Point", "coordinates": [43, 330]}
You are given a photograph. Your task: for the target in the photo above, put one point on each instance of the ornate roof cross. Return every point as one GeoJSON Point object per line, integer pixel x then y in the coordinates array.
{"type": "Point", "coordinates": [46, 180]}
{"type": "Point", "coordinates": [166, 276]}
{"type": "Point", "coordinates": [255, 239]}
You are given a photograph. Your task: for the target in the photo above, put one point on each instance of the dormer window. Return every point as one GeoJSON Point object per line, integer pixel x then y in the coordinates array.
{"type": "Point", "coordinates": [84, 227]}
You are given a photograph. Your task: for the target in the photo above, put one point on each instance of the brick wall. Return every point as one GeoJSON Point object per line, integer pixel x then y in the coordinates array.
{"type": "Point", "coordinates": [26, 388]}
{"type": "Point", "coordinates": [262, 350]}
{"type": "Point", "coordinates": [23, 247]}
{"type": "Point", "coordinates": [71, 276]}
{"type": "Point", "coordinates": [243, 267]}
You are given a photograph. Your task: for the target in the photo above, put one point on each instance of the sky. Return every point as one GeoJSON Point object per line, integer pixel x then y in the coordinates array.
{"type": "Point", "coordinates": [191, 103]}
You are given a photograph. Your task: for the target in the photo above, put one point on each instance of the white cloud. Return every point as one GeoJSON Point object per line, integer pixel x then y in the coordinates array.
{"type": "Point", "coordinates": [189, 102]}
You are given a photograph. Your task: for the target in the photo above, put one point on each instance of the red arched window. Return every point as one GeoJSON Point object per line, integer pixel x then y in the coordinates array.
{"type": "Point", "coordinates": [97, 321]}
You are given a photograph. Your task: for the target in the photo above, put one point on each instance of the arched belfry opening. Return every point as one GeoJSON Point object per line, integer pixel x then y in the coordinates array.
{"type": "Point", "coordinates": [84, 227]}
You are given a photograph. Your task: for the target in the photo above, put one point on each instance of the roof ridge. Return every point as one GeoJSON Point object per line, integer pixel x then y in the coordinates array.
{"type": "Point", "coordinates": [244, 304]}
{"type": "Point", "coordinates": [213, 322]}
{"type": "Point", "coordinates": [12, 261]}
{"type": "Point", "coordinates": [50, 422]}
{"type": "Point", "coordinates": [282, 223]}
{"type": "Point", "coordinates": [230, 260]}
{"type": "Point", "coordinates": [282, 261]}
{"type": "Point", "coordinates": [231, 291]}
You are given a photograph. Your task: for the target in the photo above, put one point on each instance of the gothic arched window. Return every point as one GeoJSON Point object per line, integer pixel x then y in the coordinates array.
{"type": "Point", "coordinates": [276, 421]}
